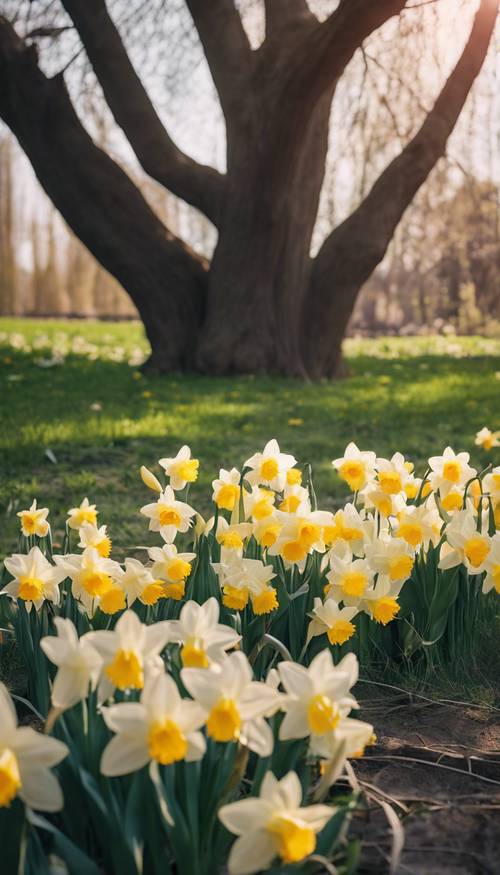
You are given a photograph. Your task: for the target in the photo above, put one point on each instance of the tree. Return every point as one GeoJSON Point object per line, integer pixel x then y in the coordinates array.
{"type": "Point", "coordinates": [263, 303]}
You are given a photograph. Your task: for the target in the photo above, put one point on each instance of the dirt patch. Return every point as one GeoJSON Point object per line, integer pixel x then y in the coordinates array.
{"type": "Point", "coordinates": [438, 766]}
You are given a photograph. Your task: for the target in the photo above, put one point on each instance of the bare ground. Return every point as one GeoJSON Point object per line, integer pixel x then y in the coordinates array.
{"type": "Point", "coordinates": [437, 764]}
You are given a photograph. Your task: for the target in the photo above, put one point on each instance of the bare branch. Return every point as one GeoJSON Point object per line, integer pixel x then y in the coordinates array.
{"type": "Point", "coordinates": [353, 250]}
{"type": "Point", "coordinates": [199, 185]}
{"type": "Point", "coordinates": [227, 50]}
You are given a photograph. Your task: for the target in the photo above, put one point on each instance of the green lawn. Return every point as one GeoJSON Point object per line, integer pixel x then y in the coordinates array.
{"type": "Point", "coordinates": [414, 395]}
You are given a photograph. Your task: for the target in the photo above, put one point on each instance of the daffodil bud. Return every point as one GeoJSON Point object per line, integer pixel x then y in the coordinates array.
{"type": "Point", "coordinates": [149, 479]}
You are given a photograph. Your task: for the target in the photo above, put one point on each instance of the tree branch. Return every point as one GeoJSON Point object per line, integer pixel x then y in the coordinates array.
{"type": "Point", "coordinates": [98, 200]}
{"type": "Point", "coordinates": [199, 185]}
{"type": "Point", "coordinates": [283, 14]}
{"type": "Point", "coordinates": [227, 50]}
{"type": "Point", "coordinates": [329, 49]}
{"type": "Point", "coordinates": [353, 250]}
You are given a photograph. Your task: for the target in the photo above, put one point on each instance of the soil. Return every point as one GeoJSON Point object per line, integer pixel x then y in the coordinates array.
{"type": "Point", "coordinates": [437, 764]}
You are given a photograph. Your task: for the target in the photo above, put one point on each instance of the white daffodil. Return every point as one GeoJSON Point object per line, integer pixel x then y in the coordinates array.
{"type": "Point", "coordinates": [295, 498]}
{"type": "Point", "coordinates": [171, 568]}
{"type": "Point", "coordinates": [419, 526]}
{"type": "Point", "coordinates": [138, 582]}
{"type": "Point", "coordinates": [391, 557]}
{"type": "Point", "coordinates": [348, 526]}
{"type": "Point", "coordinates": [273, 825]}
{"type": "Point", "coordinates": [182, 469]}
{"type": "Point", "coordinates": [259, 503]}
{"type": "Point", "coordinates": [392, 474]}
{"type": "Point", "coordinates": [232, 537]}
{"type": "Point", "coordinates": [356, 467]}
{"type": "Point", "coordinates": [487, 439]}
{"type": "Point", "coordinates": [204, 640]}
{"type": "Point", "coordinates": [348, 579]}
{"type": "Point", "coordinates": [491, 485]}
{"type": "Point", "coordinates": [34, 521]}
{"type": "Point", "coordinates": [168, 516]}
{"type": "Point", "coordinates": [85, 513]}
{"type": "Point", "coordinates": [270, 467]}
{"type": "Point", "coordinates": [248, 578]}
{"type": "Point", "coordinates": [464, 544]}
{"type": "Point", "coordinates": [348, 739]}
{"type": "Point", "coordinates": [35, 579]}
{"type": "Point", "coordinates": [93, 536]}
{"type": "Point", "coordinates": [92, 578]}
{"type": "Point", "coordinates": [79, 664]}
{"type": "Point", "coordinates": [333, 621]}
{"type": "Point", "coordinates": [380, 602]}
{"type": "Point", "coordinates": [226, 489]}
{"type": "Point", "coordinates": [130, 653]}
{"type": "Point", "coordinates": [318, 696]}
{"type": "Point", "coordinates": [266, 531]}
{"type": "Point", "coordinates": [450, 470]}
{"type": "Point", "coordinates": [373, 497]}
{"type": "Point", "coordinates": [235, 704]}
{"type": "Point", "coordinates": [162, 728]}
{"type": "Point", "coordinates": [301, 533]}
{"type": "Point", "coordinates": [25, 759]}
{"type": "Point", "coordinates": [492, 566]}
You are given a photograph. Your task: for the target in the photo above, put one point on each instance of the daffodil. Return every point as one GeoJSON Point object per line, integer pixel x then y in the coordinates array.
{"type": "Point", "coordinates": [464, 544]}
{"type": "Point", "coordinates": [487, 439]}
{"type": "Point", "coordinates": [259, 503]}
{"type": "Point", "coordinates": [333, 621]}
{"type": "Point", "coordinates": [92, 576]}
{"type": "Point", "coordinates": [492, 566]}
{"type": "Point", "coordinates": [93, 536]}
{"type": "Point", "coordinates": [150, 480]}
{"type": "Point", "coordinates": [317, 696]}
{"type": "Point", "coordinates": [381, 601]}
{"type": "Point", "coordinates": [352, 736]}
{"type": "Point", "coordinates": [248, 578]}
{"type": "Point", "coordinates": [234, 703]}
{"type": "Point", "coordinates": [273, 825]}
{"type": "Point", "coordinates": [35, 579]}
{"type": "Point", "coordinates": [348, 526]}
{"type": "Point", "coordinates": [162, 727]}
{"type": "Point", "coordinates": [204, 640]}
{"type": "Point", "coordinates": [168, 516]}
{"type": "Point", "coordinates": [182, 469]}
{"type": "Point", "coordinates": [356, 467]}
{"type": "Point", "coordinates": [266, 531]}
{"type": "Point", "coordinates": [301, 533]}
{"type": "Point", "coordinates": [387, 504]}
{"type": "Point", "coordinates": [171, 568]}
{"type": "Point", "coordinates": [348, 579]}
{"type": "Point", "coordinates": [450, 470]}
{"type": "Point", "coordinates": [419, 526]}
{"type": "Point", "coordinates": [25, 759]}
{"type": "Point", "coordinates": [85, 513]}
{"type": "Point", "coordinates": [391, 557]}
{"type": "Point", "coordinates": [34, 521]}
{"type": "Point", "coordinates": [270, 467]}
{"type": "Point", "coordinates": [78, 662]}
{"type": "Point", "coordinates": [232, 536]}
{"type": "Point", "coordinates": [295, 497]}
{"type": "Point", "coordinates": [130, 653]}
{"type": "Point", "coordinates": [226, 489]}
{"type": "Point", "coordinates": [392, 474]}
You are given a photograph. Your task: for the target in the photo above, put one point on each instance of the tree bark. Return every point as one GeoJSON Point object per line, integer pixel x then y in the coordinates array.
{"type": "Point", "coordinates": [353, 250]}
{"type": "Point", "coordinates": [102, 206]}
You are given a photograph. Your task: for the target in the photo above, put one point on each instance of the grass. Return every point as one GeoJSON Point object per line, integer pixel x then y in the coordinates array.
{"type": "Point", "coordinates": [85, 426]}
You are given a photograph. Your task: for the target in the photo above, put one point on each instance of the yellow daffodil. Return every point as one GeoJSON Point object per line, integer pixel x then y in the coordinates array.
{"type": "Point", "coordinates": [35, 579]}
{"type": "Point", "coordinates": [333, 621]}
{"type": "Point", "coordinates": [317, 696]}
{"type": "Point", "coordinates": [356, 467]}
{"type": "Point", "coordinates": [204, 640]}
{"type": "Point", "coordinates": [162, 727]}
{"type": "Point", "coordinates": [226, 489]}
{"type": "Point", "coordinates": [270, 467]}
{"type": "Point", "coordinates": [34, 521]}
{"type": "Point", "coordinates": [273, 825]}
{"type": "Point", "coordinates": [26, 757]}
{"type": "Point", "coordinates": [85, 513]}
{"type": "Point", "coordinates": [182, 469]}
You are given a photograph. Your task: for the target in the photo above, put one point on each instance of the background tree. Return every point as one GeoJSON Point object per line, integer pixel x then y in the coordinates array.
{"type": "Point", "coordinates": [263, 303]}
